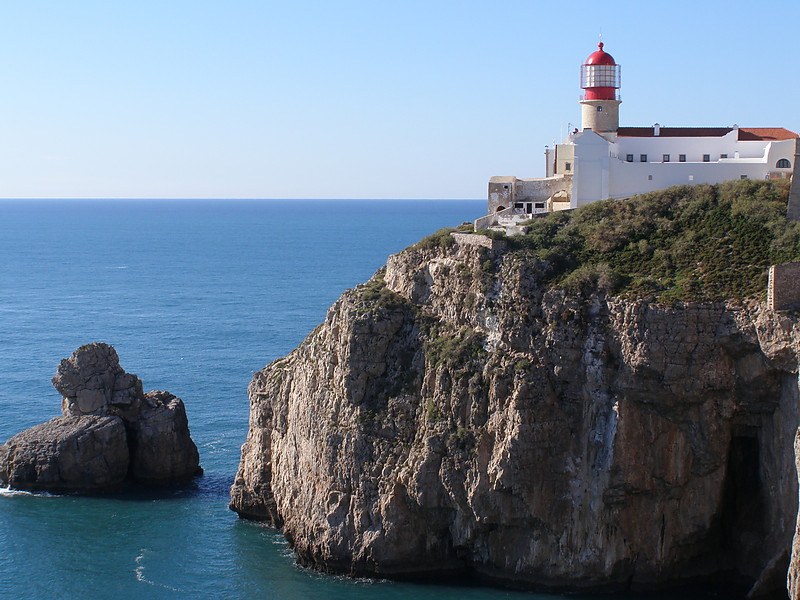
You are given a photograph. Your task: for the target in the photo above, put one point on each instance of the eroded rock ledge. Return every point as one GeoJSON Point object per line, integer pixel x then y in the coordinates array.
{"type": "Point", "coordinates": [110, 432]}
{"type": "Point", "coordinates": [454, 415]}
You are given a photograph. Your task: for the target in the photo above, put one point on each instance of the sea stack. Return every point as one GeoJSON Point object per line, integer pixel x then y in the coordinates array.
{"type": "Point", "coordinates": [110, 433]}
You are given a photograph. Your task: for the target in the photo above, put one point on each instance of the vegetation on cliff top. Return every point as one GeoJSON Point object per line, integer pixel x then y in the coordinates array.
{"type": "Point", "coordinates": [442, 237]}
{"type": "Point", "coordinates": [685, 243]}
{"type": "Point", "coordinates": [375, 295]}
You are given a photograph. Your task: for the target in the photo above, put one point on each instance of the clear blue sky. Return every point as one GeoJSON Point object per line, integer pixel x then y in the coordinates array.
{"type": "Point", "coordinates": [357, 99]}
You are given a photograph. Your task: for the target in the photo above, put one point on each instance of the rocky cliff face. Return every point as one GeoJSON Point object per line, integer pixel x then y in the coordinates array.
{"type": "Point", "coordinates": [453, 415]}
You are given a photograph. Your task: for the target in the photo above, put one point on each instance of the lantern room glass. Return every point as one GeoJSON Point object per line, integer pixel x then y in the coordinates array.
{"type": "Point", "coordinates": [594, 76]}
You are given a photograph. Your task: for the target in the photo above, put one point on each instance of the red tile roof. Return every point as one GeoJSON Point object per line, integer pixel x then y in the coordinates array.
{"type": "Point", "coordinates": [766, 133]}
{"type": "Point", "coordinates": [745, 133]}
{"type": "Point", "coordinates": [674, 131]}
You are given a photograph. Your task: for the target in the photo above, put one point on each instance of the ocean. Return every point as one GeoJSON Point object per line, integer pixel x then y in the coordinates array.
{"type": "Point", "coordinates": [195, 295]}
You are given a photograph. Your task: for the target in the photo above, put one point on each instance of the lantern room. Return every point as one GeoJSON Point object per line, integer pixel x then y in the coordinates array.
{"type": "Point", "coordinates": [600, 76]}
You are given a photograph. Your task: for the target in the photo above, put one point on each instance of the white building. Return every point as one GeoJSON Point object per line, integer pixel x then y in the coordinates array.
{"type": "Point", "coordinates": [604, 160]}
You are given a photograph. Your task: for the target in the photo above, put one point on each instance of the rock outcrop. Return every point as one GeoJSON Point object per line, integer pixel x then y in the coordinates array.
{"type": "Point", "coordinates": [111, 432]}
{"type": "Point", "coordinates": [793, 577]}
{"type": "Point", "coordinates": [67, 454]}
{"type": "Point", "coordinates": [92, 382]}
{"type": "Point", "coordinates": [161, 448]}
{"type": "Point", "coordinates": [455, 415]}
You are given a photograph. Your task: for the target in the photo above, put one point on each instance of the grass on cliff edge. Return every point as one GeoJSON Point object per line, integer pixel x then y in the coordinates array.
{"type": "Point", "coordinates": [685, 243]}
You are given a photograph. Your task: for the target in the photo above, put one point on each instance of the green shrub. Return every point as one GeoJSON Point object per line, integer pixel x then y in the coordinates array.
{"type": "Point", "coordinates": [444, 346]}
{"type": "Point", "coordinates": [494, 234]}
{"type": "Point", "coordinates": [431, 411]}
{"type": "Point", "coordinates": [375, 294]}
{"type": "Point", "coordinates": [593, 277]}
{"type": "Point", "coordinates": [438, 239]}
{"type": "Point", "coordinates": [523, 364]}
{"type": "Point", "coordinates": [687, 242]}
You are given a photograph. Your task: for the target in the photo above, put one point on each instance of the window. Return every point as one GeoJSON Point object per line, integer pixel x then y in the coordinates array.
{"type": "Point", "coordinates": [691, 177]}
{"type": "Point", "coordinates": [599, 109]}
{"type": "Point", "coordinates": [723, 156]}
{"type": "Point", "coordinates": [568, 166]}
{"type": "Point", "coordinates": [706, 158]}
{"type": "Point", "coordinates": [539, 205]}
{"type": "Point", "coordinates": [629, 157]}
{"type": "Point", "coordinates": [681, 158]}
{"type": "Point", "coordinates": [665, 158]}
{"type": "Point", "coordinates": [643, 158]}
{"type": "Point", "coordinates": [519, 205]}
{"type": "Point", "coordinates": [783, 164]}
{"type": "Point", "coordinates": [529, 208]}
{"type": "Point", "coordinates": [742, 176]}
{"type": "Point", "coordinates": [649, 178]}
{"type": "Point", "coordinates": [505, 187]}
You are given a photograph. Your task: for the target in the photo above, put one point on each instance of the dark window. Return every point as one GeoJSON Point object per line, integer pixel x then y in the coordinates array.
{"type": "Point", "coordinates": [629, 157]}
{"type": "Point", "coordinates": [742, 176]}
{"type": "Point", "coordinates": [665, 158]}
{"type": "Point", "coordinates": [706, 157]}
{"type": "Point", "coordinates": [528, 208]}
{"type": "Point", "coordinates": [539, 205]}
{"type": "Point", "coordinates": [681, 158]}
{"type": "Point", "coordinates": [783, 164]}
{"type": "Point", "coordinates": [599, 109]}
{"type": "Point", "coordinates": [643, 158]}
{"type": "Point", "coordinates": [649, 178]}
{"type": "Point", "coordinates": [723, 156]}
{"type": "Point", "coordinates": [505, 187]}
{"type": "Point", "coordinates": [568, 166]}
{"type": "Point", "coordinates": [519, 205]}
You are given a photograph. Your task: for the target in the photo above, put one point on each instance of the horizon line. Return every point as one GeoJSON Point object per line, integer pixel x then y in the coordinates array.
{"type": "Point", "coordinates": [224, 198]}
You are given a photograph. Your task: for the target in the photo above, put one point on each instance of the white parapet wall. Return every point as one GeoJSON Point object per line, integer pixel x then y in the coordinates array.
{"type": "Point", "coordinates": [492, 219]}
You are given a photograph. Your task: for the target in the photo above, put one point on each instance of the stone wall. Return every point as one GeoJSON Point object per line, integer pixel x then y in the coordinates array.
{"type": "Point", "coordinates": [541, 189]}
{"type": "Point", "coordinates": [491, 219]}
{"type": "Point", "coordinates": [783, 288]}
{"type": "Point", "coordinates": [472, 239]}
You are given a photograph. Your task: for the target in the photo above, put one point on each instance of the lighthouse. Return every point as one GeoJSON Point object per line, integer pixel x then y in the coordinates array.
{"type": "Point", "coordinates": [600, 81]}
{"type": "Point", "coordinates": [605, 160]}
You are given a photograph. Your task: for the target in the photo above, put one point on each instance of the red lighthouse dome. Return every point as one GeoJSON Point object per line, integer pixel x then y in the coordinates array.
{"type": "Point", "coordinates": [600, 76]}
{"type": "Point", "coordinates": [600, 57]}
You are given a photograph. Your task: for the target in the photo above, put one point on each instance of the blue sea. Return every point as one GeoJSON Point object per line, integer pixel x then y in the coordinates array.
{"type": "Point", "coordinates": [195, 296]}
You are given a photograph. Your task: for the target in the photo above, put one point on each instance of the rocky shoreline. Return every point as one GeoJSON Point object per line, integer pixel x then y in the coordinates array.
{"type": "Point", "coordinates": [111, 434]}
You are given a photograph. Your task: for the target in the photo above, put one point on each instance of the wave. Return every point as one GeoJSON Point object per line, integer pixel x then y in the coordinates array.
{"type": "Point", "coordinates": [8, 492]}
{"type": "Point", "coordinates": [139, 572]}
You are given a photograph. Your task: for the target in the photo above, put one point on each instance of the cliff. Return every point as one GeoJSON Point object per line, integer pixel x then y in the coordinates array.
{"type": "Point", "coordinates": [477, 408]}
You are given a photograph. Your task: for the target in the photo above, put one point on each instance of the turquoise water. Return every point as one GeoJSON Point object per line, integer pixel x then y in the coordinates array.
{"type": "Point", "coordinates": [195, 296]}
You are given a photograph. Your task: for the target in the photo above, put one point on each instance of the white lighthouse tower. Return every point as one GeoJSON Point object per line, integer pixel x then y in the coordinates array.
{"type": "Point", "coordinates": [600, 81]}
